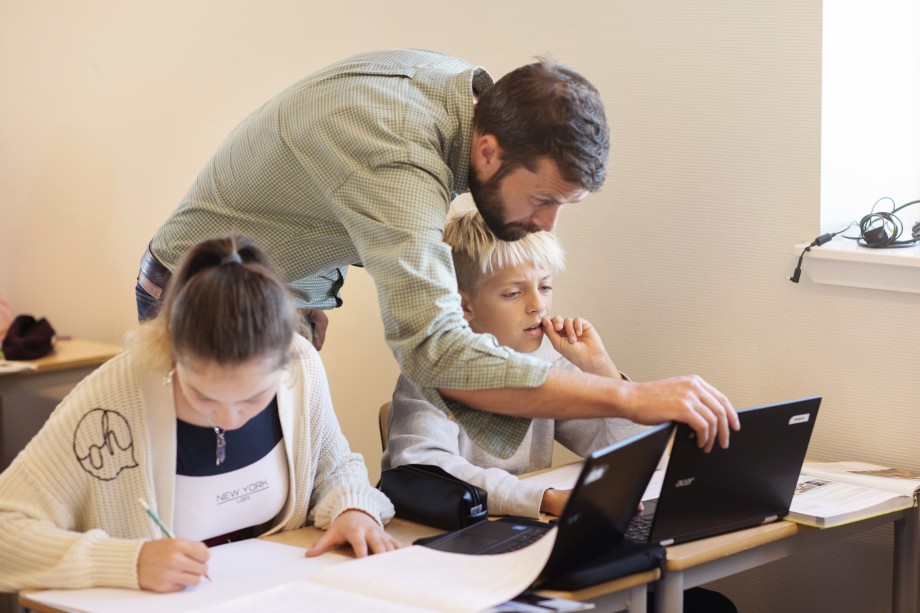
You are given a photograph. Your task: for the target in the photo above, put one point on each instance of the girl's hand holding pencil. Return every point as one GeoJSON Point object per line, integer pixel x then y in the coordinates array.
{"type": "Point", "coordinates": [170, 564]}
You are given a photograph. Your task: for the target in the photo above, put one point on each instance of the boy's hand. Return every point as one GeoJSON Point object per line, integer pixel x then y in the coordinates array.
{"type": "Point", "coordinates": [554, 501]}
{"type": "Point", "coordinates": [578, 342]}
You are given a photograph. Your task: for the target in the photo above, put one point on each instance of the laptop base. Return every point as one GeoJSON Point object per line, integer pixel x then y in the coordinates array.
{"type": "Point", "coordinates": [626, 558]}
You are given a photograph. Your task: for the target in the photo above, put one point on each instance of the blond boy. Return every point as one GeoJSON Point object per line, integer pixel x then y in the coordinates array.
{"type": "Point", "coordinates": [506, 291]}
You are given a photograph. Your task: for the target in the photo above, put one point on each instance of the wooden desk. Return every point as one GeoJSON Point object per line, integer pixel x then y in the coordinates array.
{"type": "Point", "coordinates": [55, 375]}
{"type": "Point", "coordinates": [624, 594]}
{"type": "Point", "coordinates": [628, 593]}
{"type": "Point", "coordinates": [695, 563]}
{"type": "Point", "coordinates": [692, 564]}
{"type": "Point", "coordinates": [699, 562]}
{"type": "Point", "coordinates": [69, 354]}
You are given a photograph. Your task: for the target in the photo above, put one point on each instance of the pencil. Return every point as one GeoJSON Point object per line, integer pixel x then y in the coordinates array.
{"type": "Point", "coordinates": [159, 522]}
{"type": "Point", "coordinates": [156, 519]}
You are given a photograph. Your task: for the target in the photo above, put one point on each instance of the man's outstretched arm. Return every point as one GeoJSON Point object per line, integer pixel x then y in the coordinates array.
{"type": "Point", "coordinates": [571, 395]}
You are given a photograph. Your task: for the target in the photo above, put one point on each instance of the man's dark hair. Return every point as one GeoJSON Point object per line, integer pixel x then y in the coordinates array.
{"type": "Point", "coordinates": [546, 109]}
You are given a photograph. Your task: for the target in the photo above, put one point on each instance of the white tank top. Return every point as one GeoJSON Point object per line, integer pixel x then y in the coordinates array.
{"type": "Point", "coordinates": [248, 488]}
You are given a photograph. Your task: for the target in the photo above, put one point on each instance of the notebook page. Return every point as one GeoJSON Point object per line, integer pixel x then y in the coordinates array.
{"type": "Point", "coordinates": [235, 569]}
{"type": "Point", "coordinates": [448, 582]}
{"type": "Point", "coordinates": [295, 596]}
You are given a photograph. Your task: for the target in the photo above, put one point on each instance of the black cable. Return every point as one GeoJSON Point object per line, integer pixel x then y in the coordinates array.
{"type": "Point", "coordinates": [882, 229]}
{"type": "Point", "coordinates": [824, 238]}
{"type": "Point", "coordinates": [877, 230]}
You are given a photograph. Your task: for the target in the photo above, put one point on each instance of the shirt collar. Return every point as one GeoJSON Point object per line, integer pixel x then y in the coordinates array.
{"type": "Point", "coordinates": [478, 80]}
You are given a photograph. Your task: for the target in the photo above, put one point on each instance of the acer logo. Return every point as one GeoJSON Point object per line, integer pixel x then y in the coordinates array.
{"type": "Point", "coordinates": [684, 482]}
{"type": "Point", "coordinates": [595, 474]}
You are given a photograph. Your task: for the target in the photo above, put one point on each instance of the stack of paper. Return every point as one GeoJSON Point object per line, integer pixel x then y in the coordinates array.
{"type": "Point", "coordinates": [268, 577]}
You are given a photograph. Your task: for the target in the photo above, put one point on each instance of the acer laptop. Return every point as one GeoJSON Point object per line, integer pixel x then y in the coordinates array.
{"type": "Point", "coordinates": [750, 483]}
{"type": "Point", "coordinates": [602, 503]}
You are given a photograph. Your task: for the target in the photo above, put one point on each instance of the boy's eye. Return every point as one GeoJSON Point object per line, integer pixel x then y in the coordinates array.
{"type": "Point", "coordinates": [546, 288]}
{"type": "Point", "coordinates": [511, 294]}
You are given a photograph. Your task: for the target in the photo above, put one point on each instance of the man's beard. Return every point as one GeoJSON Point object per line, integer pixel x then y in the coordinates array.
{"type": "Point", "coordinates": [488, 201]}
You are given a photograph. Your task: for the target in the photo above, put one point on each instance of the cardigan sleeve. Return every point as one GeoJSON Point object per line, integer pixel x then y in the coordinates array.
{"type": "Point", "coordinates": [339, 476]}
{"type": "Point", "coordinates": [53, 501]}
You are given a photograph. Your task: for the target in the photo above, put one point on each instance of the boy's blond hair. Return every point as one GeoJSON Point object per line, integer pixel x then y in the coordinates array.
{"type": "Point", "coordinates": [478, 254]}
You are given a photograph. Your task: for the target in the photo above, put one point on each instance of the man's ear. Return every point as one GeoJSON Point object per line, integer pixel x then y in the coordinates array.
{"type": "Point", "coordinates": [465, 305]}
{"type": "Point", "coordinates": [486, 155]}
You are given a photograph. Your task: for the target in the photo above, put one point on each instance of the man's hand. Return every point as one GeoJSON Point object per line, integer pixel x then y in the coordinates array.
{"type": "Point", "coordinates": [358, 529]}
{"type": "Point", "coordinates": [575, 395]}
{"type": "Point", "coordinates": [317, 321]}
{"type": "Point", "coordinates": [578, 342]}
{"type": "Point", "coordinates": [169, 565]}
{"type": "Point", "coordinates": [688, 399]}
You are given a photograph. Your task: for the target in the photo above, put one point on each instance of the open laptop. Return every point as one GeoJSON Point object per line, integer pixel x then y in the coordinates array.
{"type": "Point", "coordinates": [600, 507]}
{"type": "Point", "coordinates": [750, 483]}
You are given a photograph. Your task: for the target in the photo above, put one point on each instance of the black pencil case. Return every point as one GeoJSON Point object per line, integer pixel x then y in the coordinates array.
{"type": "Point", "coordinates": [432, 496]}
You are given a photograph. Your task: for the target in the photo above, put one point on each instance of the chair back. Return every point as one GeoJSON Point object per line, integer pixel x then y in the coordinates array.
{"type": "Point", "coordinates": [382, 424]}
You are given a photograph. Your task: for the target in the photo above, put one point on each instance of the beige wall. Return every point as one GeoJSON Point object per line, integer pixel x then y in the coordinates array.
{"type": "Point", "coordinates": [109, 109]}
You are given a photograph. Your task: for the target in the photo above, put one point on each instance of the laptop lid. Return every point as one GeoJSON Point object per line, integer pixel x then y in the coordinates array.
{"type": "Point", "coordinates": [605, 498]}
{"type": "Point", "coordinates": [602, 503]}
{"type": "Point", "coordinates": [750, 483]}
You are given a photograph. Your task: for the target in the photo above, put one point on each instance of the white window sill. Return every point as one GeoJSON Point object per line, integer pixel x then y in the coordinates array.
{"type": "Point", "coordinates": [843, 262]}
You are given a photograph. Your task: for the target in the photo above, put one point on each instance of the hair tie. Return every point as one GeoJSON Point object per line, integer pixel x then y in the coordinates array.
{"type": "Point", "coordinates": [231, 258]}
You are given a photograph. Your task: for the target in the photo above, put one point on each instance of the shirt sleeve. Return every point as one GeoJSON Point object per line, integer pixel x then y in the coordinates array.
{"type": "Point", "coordinates": [584, 436]}
{"type": "Point", "coordinates": [401, 247]}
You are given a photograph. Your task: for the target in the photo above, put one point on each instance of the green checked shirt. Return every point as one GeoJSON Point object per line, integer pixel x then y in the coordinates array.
{"type": "Point", "coordinates": [358, 164]}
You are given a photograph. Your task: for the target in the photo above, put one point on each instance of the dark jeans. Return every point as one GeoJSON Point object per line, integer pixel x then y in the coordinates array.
{"type": "Point", "coordinates": [147, 305]}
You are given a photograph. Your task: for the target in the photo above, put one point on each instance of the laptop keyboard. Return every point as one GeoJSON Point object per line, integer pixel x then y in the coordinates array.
{"type": "Point", "coordinates": [525, 538]}
{"type": "Point", "coordinates": [639, 529]}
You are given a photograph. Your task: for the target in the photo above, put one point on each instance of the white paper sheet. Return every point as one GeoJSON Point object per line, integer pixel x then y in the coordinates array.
{"type": "Point", "coordinates": [904, 482]}
{"type": "Point", "coordinates": [235, 569]}
{"type": "Point", "coordinates": [307, 595]}
{"type": "Point", "coordinates": [441, 581]}
{"type": "Point", "coordinates": [272, 575]}
{"type": "Point", "coordinates": [9, 366]}
{"type": "Point", "coordinates": [653, 489]}
{"type": "Point", "coordinates": [564, 478]}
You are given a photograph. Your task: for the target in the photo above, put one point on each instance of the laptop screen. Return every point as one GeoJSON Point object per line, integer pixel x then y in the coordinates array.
{"type": "Point", "coordinates": [602, 503]}
{"type": "Point", "coordinates": [750, 483]}
{"type": "Point", "coordinates": [606, 497]}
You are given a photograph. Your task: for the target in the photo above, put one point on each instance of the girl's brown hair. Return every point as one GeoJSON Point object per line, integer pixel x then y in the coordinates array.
{"type": "Point", "coordinates": [225, 304]}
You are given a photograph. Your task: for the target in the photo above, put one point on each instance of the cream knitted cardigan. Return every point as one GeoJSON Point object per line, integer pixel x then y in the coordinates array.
{"type": "Point", "coordinates": [69, 515]}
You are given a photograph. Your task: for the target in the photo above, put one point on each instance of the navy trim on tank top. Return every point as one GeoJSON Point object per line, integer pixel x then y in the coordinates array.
{"type": "Point", "coordinates": [196, 446]}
